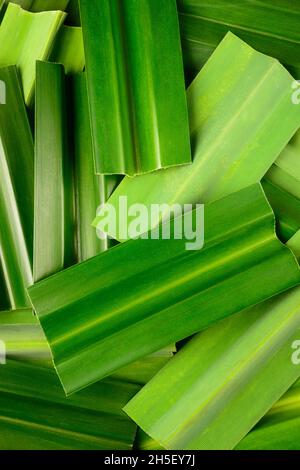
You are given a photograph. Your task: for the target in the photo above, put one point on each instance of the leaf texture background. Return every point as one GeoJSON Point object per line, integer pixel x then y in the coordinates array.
{"type": "Point", "coordinates": [135, 85]}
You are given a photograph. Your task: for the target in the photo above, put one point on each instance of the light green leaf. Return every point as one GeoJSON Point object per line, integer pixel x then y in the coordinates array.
{"type": "Point", "coordinates": [236, 105]}
{"type": "Point", "coordinates": [54, 193]}
{"type": "Point", "coordinates": [135, 85]}
{"type": "Point", "coordinates": [68, 49]}
{"type": "Point", "coordinates": [145, 294]}
{"type": "Point", "coordinates": [16, 190]}
{"type": "Point", "coordinates": [36, 35]}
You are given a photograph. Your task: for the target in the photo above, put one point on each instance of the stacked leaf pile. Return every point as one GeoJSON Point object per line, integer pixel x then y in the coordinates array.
{"type": "Point", "coordinates": [121, 342]}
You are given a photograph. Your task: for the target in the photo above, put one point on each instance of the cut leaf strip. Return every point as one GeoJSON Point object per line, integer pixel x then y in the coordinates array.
{"type": "Point", "coordinates": [135, 85]}
{"type": "Point", "coordinates": [112, 316]}
{"type": "Point", "coordinates": [54, 193]}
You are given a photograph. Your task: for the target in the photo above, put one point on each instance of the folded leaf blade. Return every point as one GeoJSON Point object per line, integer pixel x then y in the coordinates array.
{"type": "Point", "coordinates": [114, 314]}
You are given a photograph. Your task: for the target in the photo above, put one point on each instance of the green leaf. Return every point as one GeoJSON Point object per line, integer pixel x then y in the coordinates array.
{"type": "Point", "coordinates": [144, 294]}
{"type": "Point", "coordinates": [36, 35]}
{"type": "Point", "coordinates": [219, 385]}
{"type": "Point", "coordinates": [270, 26]}
{"type": "Point", "coordinates": [286, 208]}
{"type": "Point", "coordinates": [16, 190]}
{"type": "Point", "coordinates": [68, 49]}
{"type": "Point", "coordinates": [280, 428]}
{"type": "Point", "coordinates": [294, 244]}
{"type": "Point", "coordinates": [54, 192]}
{"type": "Point", "coordinates": [135, 85]}
{"type": "Point", "coordinates": [235, 104]}
{"type": "Point", "coordinates": [91, 190]}
{"type": "Point", "coordinates": [73, 17]}
{"type": "Point", "coordinates": [35, 414]}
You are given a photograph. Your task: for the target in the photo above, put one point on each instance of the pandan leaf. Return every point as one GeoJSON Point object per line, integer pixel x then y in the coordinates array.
{"type": "Point", "coordinates": [270, 26]}
{"type": "Point", "coordinates": [68, 49]}
{"type": "Point", "coordinates": [91, 189]}
{"type": "Point", "coordinates": [220, 384]}
{"type": "Point", "coordinates": [145, 294]}
{"type": "Point", "coordinates": [282, 187]}
{"type": "Point", "coordinates": [236, 105]}
{"type": "Point", "coordinates": [135, 85]}
{"type": "Point", "coordinates": [279, 429]}
{"type": "Point", "coordinates": [54, 193]}
{"type": "Point", "coordinates": [24, 338]}
{"type": "Point", "coordinates": [294, 244]}
{"type": "Point", "coordinates": [36, 35]}
{"type": "Point", "coordinates": [35, 414]}
{"type": "Point", "coordinates": [286, 208]}
{"type": "Point", "coordinates": [16, 190]}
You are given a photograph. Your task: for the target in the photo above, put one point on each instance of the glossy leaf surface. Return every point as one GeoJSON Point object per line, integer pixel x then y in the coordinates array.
{"type": "Point", "coordinates": [16, 190]}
